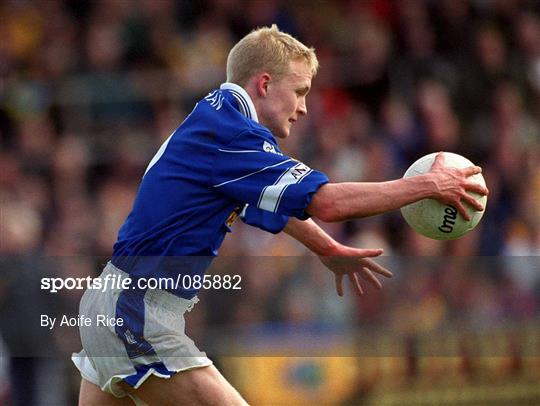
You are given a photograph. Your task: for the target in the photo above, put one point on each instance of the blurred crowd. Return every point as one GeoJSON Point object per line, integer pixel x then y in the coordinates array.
{"type": "Point", "coordinates": [89, 90]}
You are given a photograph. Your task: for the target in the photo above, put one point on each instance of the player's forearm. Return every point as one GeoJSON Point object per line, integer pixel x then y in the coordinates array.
{"type": "Point", "coordinates": [311, 235]}
{"type": "Point", "coordinates": [344, 201]}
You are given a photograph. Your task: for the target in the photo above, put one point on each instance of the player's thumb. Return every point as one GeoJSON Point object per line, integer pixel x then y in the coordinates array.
{"type": "Point", "coordinates": [439, 160]}
{"type": "Point", "coordinates": [374, 252]}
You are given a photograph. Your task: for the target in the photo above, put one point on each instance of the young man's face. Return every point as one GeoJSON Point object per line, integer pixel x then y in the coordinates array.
{"type": "Point", "coordinates": [285, 100]}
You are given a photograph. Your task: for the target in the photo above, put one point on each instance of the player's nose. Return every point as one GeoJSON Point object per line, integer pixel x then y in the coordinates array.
{"type": "Point", "coordinates": [302, 108]}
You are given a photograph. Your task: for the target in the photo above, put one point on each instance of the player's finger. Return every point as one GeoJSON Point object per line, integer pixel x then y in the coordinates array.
{"type": "Point", "coordinates": [339, 284]}
{"type": "Point", "coordinates": [375, 267]}
{"type": "Point", "coordinates": [463, 211]}
{"type": "Point", "coordinates": [472, 170]}
{"type": "Point", "coordinates": [368, 276]}
{"type": "Point", "coordinates": [477, 188]}
{"type": "Point", "coordinates": [355, 283]}
{"type": "Point", "coordinates": [471, 201]}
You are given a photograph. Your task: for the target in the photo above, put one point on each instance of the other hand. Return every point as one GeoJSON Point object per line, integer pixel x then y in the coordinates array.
{"type": "Point", "coordinates": [355, 262]}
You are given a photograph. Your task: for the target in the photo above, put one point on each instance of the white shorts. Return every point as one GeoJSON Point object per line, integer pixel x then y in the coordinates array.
{"type": "Point", "coordinates": [152, 340]}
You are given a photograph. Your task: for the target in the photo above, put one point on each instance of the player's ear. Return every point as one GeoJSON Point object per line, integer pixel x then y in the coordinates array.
{"type": "Point", "coordinates": [262, 84]}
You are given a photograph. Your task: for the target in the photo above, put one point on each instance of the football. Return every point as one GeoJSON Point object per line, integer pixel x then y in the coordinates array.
{"type": "Point", "coordinates": [438, 220]}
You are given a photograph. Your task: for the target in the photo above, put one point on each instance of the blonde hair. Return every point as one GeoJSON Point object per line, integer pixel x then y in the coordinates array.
{"type": "Point", "coordinates": [267, 49]}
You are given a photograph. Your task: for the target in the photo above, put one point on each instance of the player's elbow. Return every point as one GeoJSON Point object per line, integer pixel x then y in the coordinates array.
{"type": "Point", "coordinates": [324, 206]}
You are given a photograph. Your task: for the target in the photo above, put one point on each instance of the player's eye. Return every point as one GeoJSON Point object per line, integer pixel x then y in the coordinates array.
{"type": "Point", "coordinates": [302, 92]}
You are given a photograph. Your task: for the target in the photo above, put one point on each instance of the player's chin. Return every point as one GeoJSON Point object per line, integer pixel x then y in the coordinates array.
{"type": "Point", "coordinates": [283, 133]}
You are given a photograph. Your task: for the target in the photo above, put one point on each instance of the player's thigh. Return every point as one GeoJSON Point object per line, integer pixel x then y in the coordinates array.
{"type": "Point", "coordinates": [92, 395]}
{"type": "Point", "coordinates": [198, 386]}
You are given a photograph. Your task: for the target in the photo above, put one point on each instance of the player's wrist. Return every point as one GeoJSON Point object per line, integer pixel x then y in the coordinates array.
{"type": "Point", "coordinates": [421, 187]}
{"type": "Point", "coordinates": [330, 248]}
{"type": "Point", "coordinates": [427, 186]}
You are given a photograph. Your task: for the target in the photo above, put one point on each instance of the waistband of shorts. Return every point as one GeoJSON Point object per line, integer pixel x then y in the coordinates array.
{"type": "Point", "coordinates": [157, 296]}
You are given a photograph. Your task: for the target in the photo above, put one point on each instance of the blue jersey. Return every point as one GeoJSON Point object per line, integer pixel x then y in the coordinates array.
{"type": "Point", "coordinates": [218, 165]}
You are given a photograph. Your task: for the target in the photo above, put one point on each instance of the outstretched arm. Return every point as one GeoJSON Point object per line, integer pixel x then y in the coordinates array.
{"type": "Point", "coordinates": [343, 201]}
{"type": "Point", "coordinates": [340, 259]}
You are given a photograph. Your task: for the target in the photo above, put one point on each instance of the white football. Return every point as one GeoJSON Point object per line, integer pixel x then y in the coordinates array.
{"type": "Point", "coordinates": [437, 220]}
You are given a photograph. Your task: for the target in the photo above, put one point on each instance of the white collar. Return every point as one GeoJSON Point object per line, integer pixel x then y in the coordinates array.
{"type": "Point", "coordinates": [246, 104]}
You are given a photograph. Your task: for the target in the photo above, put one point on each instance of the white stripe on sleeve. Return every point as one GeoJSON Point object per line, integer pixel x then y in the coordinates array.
{"type": "Point", "coordinates": [271, 195]}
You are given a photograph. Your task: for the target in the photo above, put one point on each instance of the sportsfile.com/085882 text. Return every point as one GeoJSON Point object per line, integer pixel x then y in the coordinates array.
{"type": "Point", "coordinates": [186, 281]}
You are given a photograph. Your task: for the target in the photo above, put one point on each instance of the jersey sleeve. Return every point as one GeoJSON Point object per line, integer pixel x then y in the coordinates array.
{"type": "Point", "coordinates": [251, 169]}
{"type": "Point", "coordinates": [271, 222]}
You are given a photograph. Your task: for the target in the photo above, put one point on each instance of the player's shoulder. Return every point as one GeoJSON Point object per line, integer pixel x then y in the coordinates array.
{"type": "Point", "coordinates": [220, 111]}
{"type": "Point", "coordinates": [254, 137]}
{"type": "Point", "coordinates": [235, 116]}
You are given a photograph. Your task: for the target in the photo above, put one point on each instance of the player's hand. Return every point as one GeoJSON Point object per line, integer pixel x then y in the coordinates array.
{"type": "Point", "coordinates": [452, 185]}
{"type": "Point", "coordinates": [355, 262]}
